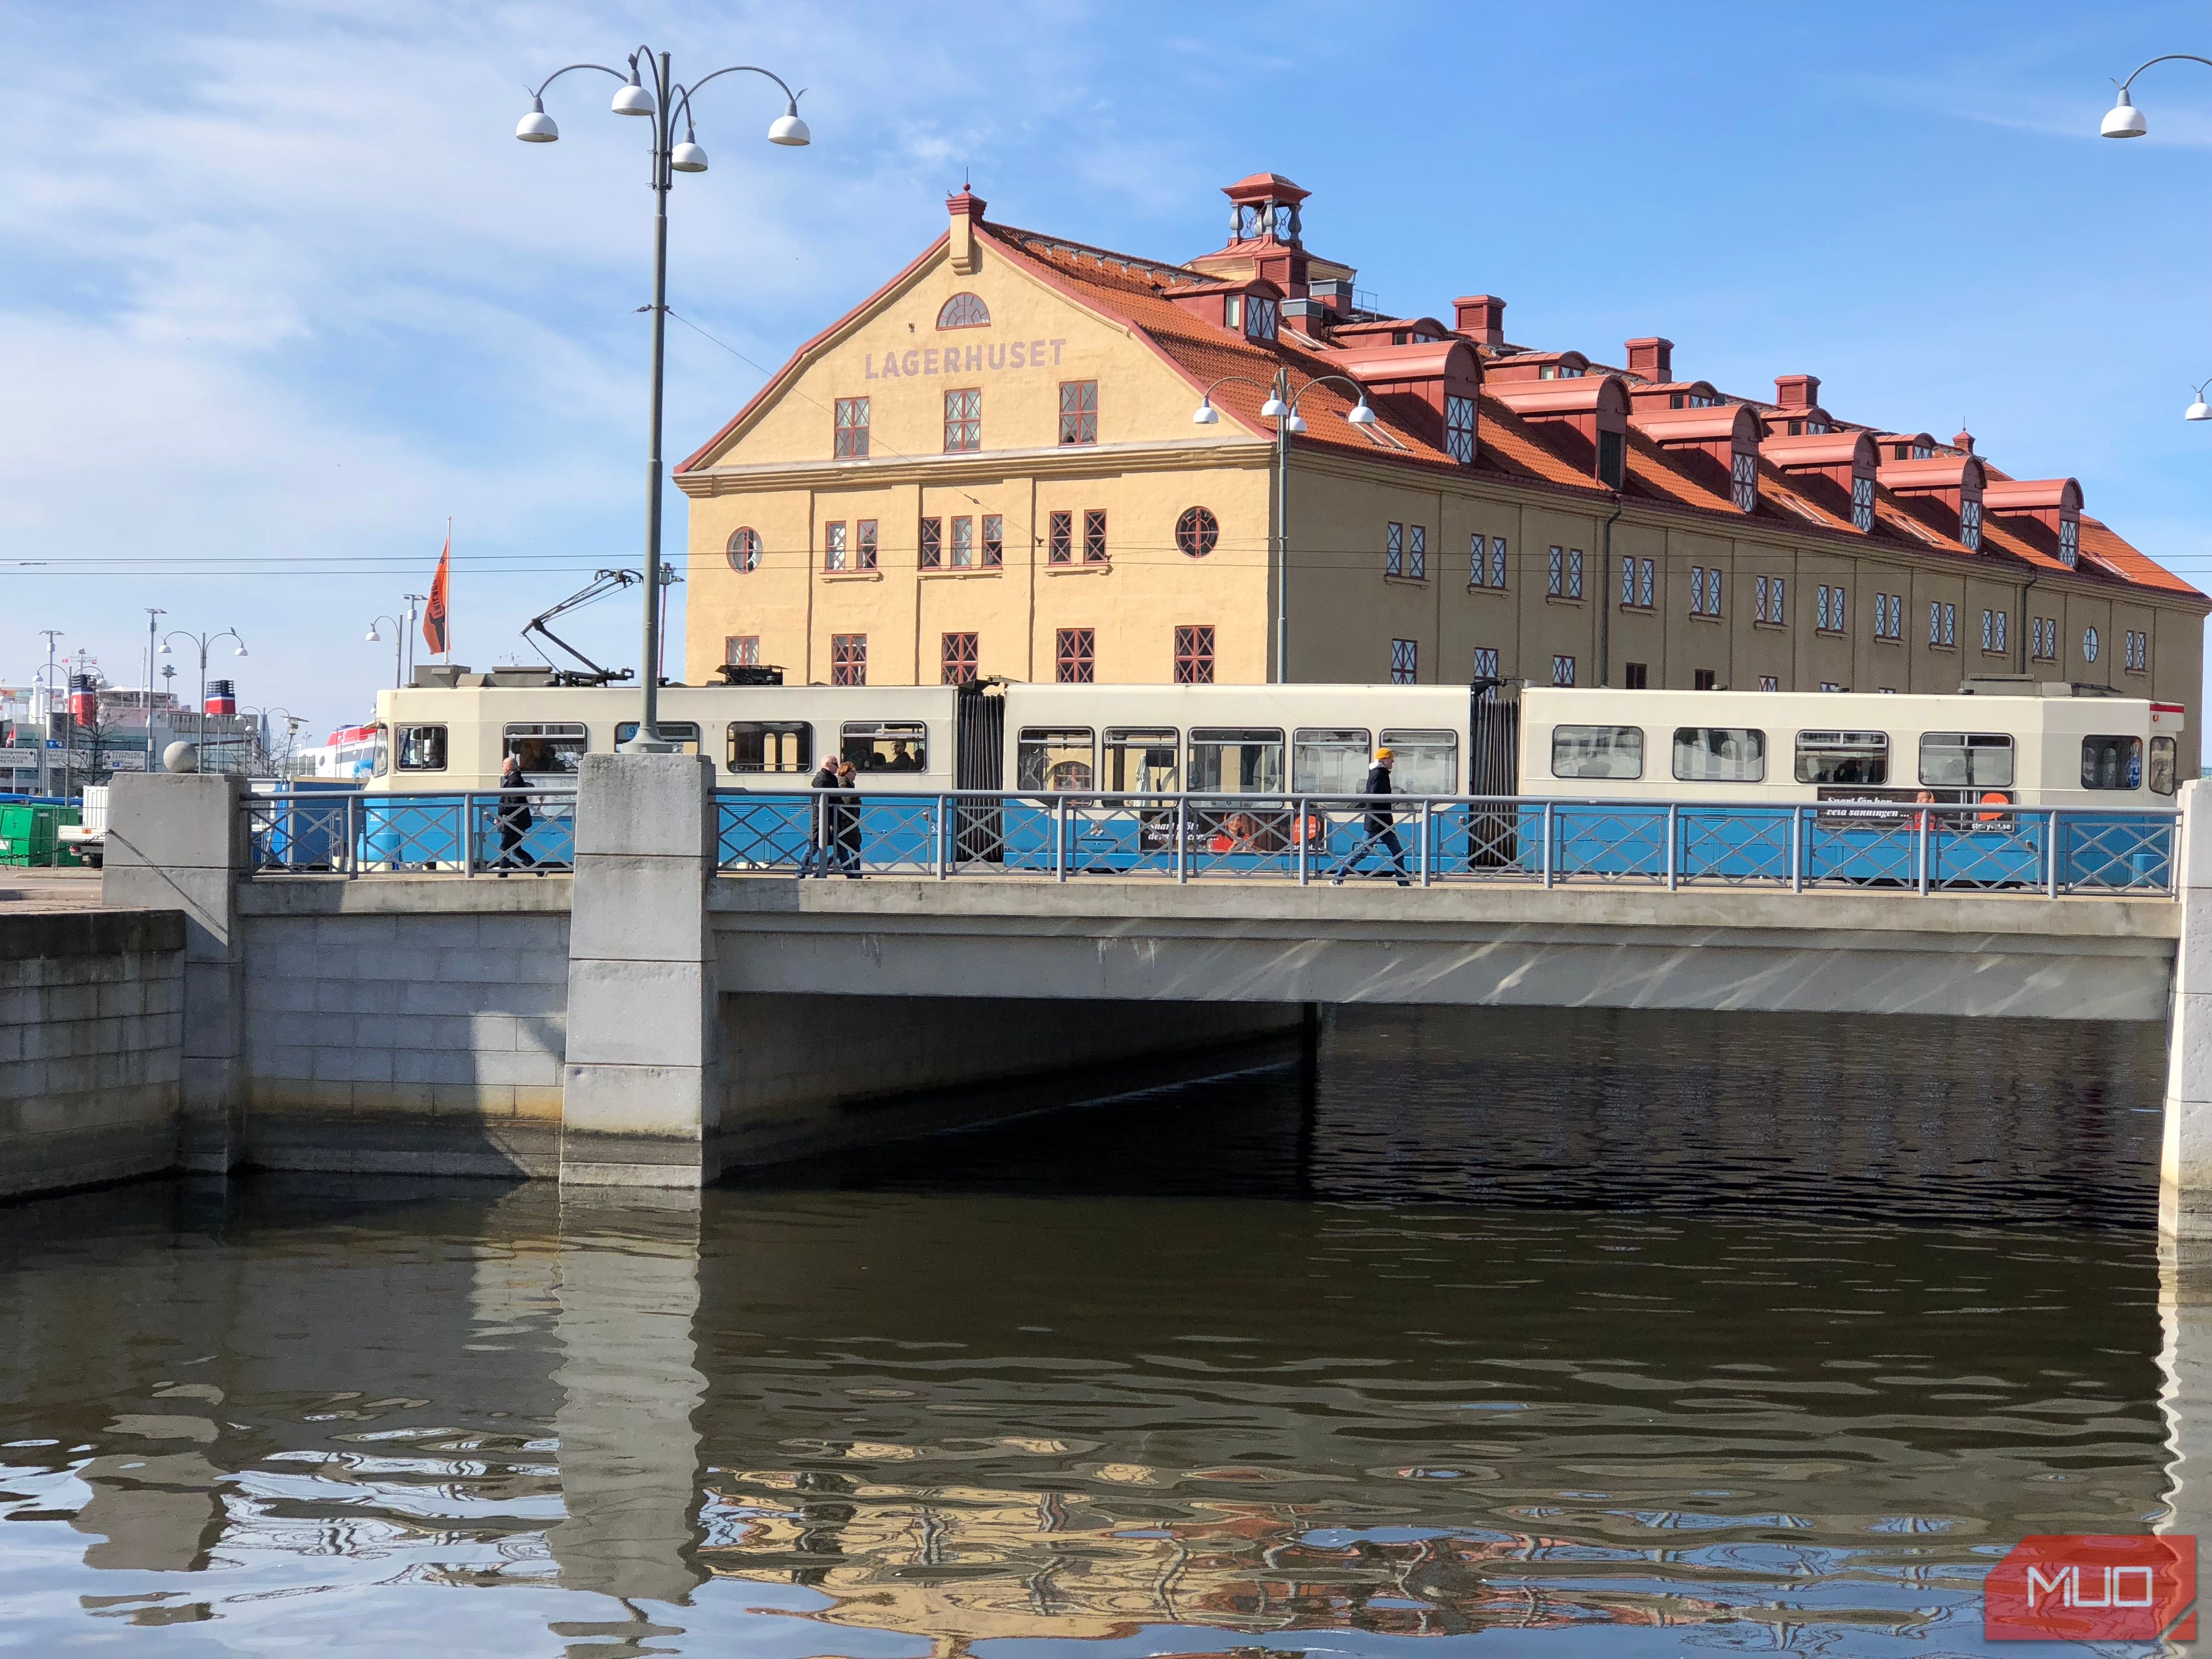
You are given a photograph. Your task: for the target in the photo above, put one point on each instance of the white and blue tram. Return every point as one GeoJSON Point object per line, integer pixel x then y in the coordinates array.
{"type": "Point", "coordinates": [1111, 757]}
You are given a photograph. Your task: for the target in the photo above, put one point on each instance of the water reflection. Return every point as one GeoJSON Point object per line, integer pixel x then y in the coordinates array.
{"type": "Point", "coordinates": [1753, 1359]}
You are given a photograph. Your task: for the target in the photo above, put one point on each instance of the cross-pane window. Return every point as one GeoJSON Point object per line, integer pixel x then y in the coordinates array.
{"type": "Point", "coordinates": [1758, 597]}
{"type": "Point", "coordinates": [1485, 662]}
{"type": "Point", "coordinates": [1574, 573]}
{"type": "Point", "coordinates": [1697, 590]}
{"type": "Point", "coordinates": [1074, 656]}
{"type": "Point", "coordinates": [848, 659]}
{"type": "Point", "coordinates": [1194, 655]}
{"type": "Point", "coordinates": [1060, 538]}
{"type": "Point", "coordinates": [1459, 428]}
{"type": "Point", "coordinates": [832, 546]}
{"type": "Point", "coordinates": [1393, 549]}
{"type": "Point", "coordinates": [963, 544]}
{"type": "Point", "coordinates": [932, 543]}
{"type": "Point", "coordinates": [995, 538]}
{"type": "Point", "coordinates": [1094, 536]}
{"type": "Point", "coordinates": [742, 650]}
{"type": "Point", "coordinates": [1417, 552]}
{"type": "Point", "coordinates": [1970, 525]}
{"type": "Point", "coordinates": [1563, 671]}
{"type": "Point", "coordinates": [1769, 683]}
{"type": "Point", "coordinates": [1497, 562]}
{"type": "Point", "coordinates": [1862, 503]}
{"type": "Point", "coordinates": [851, 443]}
{"type": "Point", "coordinates": [1647, 573]}
{"type": "Point", "coordinates": [1555, 585]}
{"type": "Point", "coordinates": [964, 422]}
{"type": "Point", "coordinates": [1743, 481]}
{"type": "Point", "coordinates": [1478, 562]}
{"type": "Point", "coordinates": [1950, 624]}
{"type": "Point", "coordinates": [2069, 542]}
{"type": "Point", "coordinates": [864, 550]}
{"type": "Point", "coordinates": [1628, 581]}
{"type": "Point", "coordinates": [958, 658]}
{"type": "Point", "coordinates": [1405, 662]}
{"type": "Point", "coordinates": [1079, 411]}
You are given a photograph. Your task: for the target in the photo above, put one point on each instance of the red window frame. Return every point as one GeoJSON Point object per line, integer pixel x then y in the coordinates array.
{"type": "Point", "coordinates": [932, 544]}
{"type": "Point", "coordinates": [848, 659]}
{"type": "Point", "coordinates": [964, 420]}
{"type": "Point", "coordinates": [1075, 656]}
{"type": "Point", "coordinates": [851, 441]}
{"type": "Point", "coordinates": [1405, 662]}
{"type": "Point", "coordinates": [958, 656]}
{"type": "Point", "coordinates": [742, 650]}
{"type": "Point", "coordinates": [1093, 535]}
{"type": "Point", "coordinates": [1197, 532]}
{"type": "Point", "coordinates": [1079, 411]}
{"type": "Point", "coordinates": [995, 538]}
{"type": "Point", "coordinates": [1194, 653]}
{"type": "Point", "coordinates": [864, 551]}
{"type": "Point", "coordinates": [1060, 538]}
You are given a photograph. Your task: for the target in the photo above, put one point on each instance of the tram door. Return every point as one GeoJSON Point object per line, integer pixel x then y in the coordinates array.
{"type": "Point", "coordinates": [1493, 768]}
{"type": "Point", "coordinates": [980, 763]}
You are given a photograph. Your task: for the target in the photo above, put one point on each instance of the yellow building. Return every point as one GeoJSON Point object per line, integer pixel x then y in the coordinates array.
{"type": "Point", "coordinates": [991, 467]}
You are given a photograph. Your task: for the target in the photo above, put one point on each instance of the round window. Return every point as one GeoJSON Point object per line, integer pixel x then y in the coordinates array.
{"type": "Point", "coordinates": [2088, 645]}
{"type": "Point", "coordinates": [1196, 532]}
{"type": "Point", "coordinates": [744, 551]}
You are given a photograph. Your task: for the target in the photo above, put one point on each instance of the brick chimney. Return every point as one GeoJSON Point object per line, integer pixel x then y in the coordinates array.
{"type": "Point", "coordinates": [1798, 391]}
{"type": "Point", "coordinates": [967, 211]}
{"type": "Point", "coordinates": [1481, 316]}
{"type": "Point", "coordinates": [1963, 441]}
{"type": "Point", "coordinates": [1651, 358]}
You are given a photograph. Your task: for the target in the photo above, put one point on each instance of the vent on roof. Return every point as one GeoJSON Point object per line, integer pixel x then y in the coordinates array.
{"type": "Point", "coordinates": [1481, 318]}
{"type": "Point", "coordinates": [1651, 358]}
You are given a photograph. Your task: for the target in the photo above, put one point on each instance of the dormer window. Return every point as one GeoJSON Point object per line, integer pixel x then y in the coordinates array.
{"type": "Point", "coordinates": [1548, 372]}
{"type": "Point", "coordinates": [1398, 336]}
{"type": "Point", "coordinates": [1862, 504]}
{"type": "Point", "coordinates": [1260, 318]}
{"type": "Point", "coordinates": [1690, 400]}
{"type": "Point", "coordinates": [1970, 526]}
{"type": "Point", "coordinates": [1232, 311]}
{"type": "Point", "coordinates": [1459, 428]}
{"type": "Point", "coordinates": [2069, 542]}
{"type": "Point", "coordinates": [1914, 453]}
{"type": "Point", "coordinates": [1743, 481]}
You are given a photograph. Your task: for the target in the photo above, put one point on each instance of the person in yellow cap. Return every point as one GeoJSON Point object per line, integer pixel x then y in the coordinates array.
{"type": "Point", "coordinates": [1379, 826]}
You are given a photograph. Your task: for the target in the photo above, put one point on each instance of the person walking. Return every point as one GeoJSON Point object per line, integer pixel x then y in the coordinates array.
{"type": "Point", "coordinates": [819, 841]}
{"type": "Point", "coordinates": [1379, 826]}
{"type": "Point", "coordinates": [847, 814]}
{"type": "Point", "coordinates": [514, 816]}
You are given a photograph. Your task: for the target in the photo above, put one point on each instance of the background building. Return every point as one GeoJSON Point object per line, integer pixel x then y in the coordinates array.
{"type": "Point", "coordinates": [990, 467]}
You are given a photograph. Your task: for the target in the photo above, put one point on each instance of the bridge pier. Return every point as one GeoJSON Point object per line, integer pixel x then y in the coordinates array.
{"type": "Point", "coordinates": [2184, 1194]}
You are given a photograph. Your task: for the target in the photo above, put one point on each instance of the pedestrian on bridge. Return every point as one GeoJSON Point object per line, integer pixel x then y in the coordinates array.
{"type": "Point", "coordinates": [820, 834]}
{"type": "Point", "coordinates": [514, 816]}
{"type": "Point", "coordinates": [845, 814]}
{"type": "Point", "coordinates": [1379, 826]}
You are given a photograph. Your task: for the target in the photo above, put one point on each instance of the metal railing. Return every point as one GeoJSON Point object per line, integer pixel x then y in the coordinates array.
{"type": "Point", "coordinates": [1415, 841]}
{"type": "Point", "coordinates": [474, 832]}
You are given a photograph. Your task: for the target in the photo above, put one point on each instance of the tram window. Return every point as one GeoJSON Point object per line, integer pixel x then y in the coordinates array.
{"type": "Point", "coordinates": [1329, 760]}
{"type": "Point", "coordinates": [547, 746]}
{"type": "Point", "coordinates": [1053, 759]}
{"type": "Point", "coordinates": [1720, 754]}
{"type": "Point", "coordinates": [1597, 751]}
{"type": "Point", "coordinates": [1141, 759]}
{"type": "Point", "coordinates": [2161, 765]}
{"type": "Point", "coordinates": [771, 746]}
{"type": "Point", "coordinates": [1244, 762]}
{"type": "Point", "coordinates": [2112, 762]}
{"type": "Point", "coordinates": [886, 746]}
{"type": "Point", "coordinates": [1966, 760]}
{"type": "Point", "coordinates": [682, 733]}
{"type": "Point", "coordinates": [1425, 762]}
{"type": "Point", "coordinates": [421, 748]}
{"type": "Point", "coordinates": [382, 764]}
{"type": "Point", "coordinates": [1843, 758]}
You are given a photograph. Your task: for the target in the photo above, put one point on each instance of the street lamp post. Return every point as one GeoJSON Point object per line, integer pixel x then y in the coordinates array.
{"type": "Point", "coordinates": [663, 102]}
{"type": "Point", "coordinates": [413, 599]}
{"type": "Point", "coordinates": [1282, 408]}
{"type": "Point", "coordinates": [398, 643]}
{"type": "Point", "coordinates": [203, 641]}
{"type": "Point", "coordinates": [47, 727]}
{"type": "Point", "coordinates": [2124, 121]}
{"type": "Point", "coordinates": [152, 612]}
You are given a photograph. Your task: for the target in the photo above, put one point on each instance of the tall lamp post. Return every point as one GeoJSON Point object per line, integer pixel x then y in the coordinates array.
{"type": "Point", "coordinates": [2124, 121]}
{"type": "Point", "coordinates": [152, 613]}
{"type": "Point", "coordinates": [1282, 408]}
{"type": "Point", "coordinates": [47, 725]}
{"type": "Point", "coordinates": [398, 643]}
{"type": "Point", "coordinates": [663, 103]}
{"type": "Point", "coordinates": [413, 599]}
{"type": "Point", "coordinates": [203, 641]}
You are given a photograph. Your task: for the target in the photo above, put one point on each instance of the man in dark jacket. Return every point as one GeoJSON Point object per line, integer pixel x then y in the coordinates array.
{"type": "Point", "coordinates": [819, 839]}
{"type": "Point", "coordinates": [1379, 826]}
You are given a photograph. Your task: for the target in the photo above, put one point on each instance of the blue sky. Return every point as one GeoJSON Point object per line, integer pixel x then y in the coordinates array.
{"type": "Point", "coordinates": [283, 293]}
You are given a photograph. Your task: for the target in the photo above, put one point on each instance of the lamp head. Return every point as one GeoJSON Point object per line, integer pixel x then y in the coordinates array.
{"type": "Point", "coordinates": [242, 649]}
{"type": "Point", "coordinates": [371, 636]}
{"type": "Point", "coordinates": [788, 128]}
{"type": "Point", "coordinates": [688, 157]}
{"type": "Point", "coordinates": [1274, 408]}
{"type": "Point", "coordinates": [1362, 416]}
{"type": "Point", "coordinates": [2123, 119]}
{"type": "Point", "coordinates": [536, 127]}
{"type": "Point", "coordinates": [2199, 410]}
{"type": "Point", "coordinates": [1205, 414]}
{"type": "Point", "coordinates": [1293, 425]}
{"type": "Point", "coordinates": [164, 650]}
{"type": "Point", "coordinates": [633, 98]}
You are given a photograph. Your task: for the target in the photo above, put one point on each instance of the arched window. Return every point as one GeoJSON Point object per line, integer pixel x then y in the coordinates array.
{"type": "Point", "coordinates": [1196, 532]}
{"type": "Point", "coordinates": [745, 550]}
{"type": "Point", "coordinates": [964, 310]}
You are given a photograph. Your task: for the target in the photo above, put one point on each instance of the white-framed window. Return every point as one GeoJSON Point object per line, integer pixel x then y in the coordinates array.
{"type": "Point", "coordinates": [1485, 662]}
{"type": "Point", "coordinates": [1743, 481]}
{"type": "Point", "coordinates": [1497, 562]}
{"type": "Point", "coordinates": [1563, 671]}
{"type": "Point", "coordinates": [1770, 682]}
{"type": "Point", "coordinates": [1574, 573]}
{"type": "Point", "coordinates": [1862, 504]}
{"type": "Point", "coordinates": [1405, 662]}
{"type": "Point", "coordinates": [1393, 549]}
{"type": "Point", "coordinates": [2069, 542]}
{"type": "Point", "coordinates": [1970, 525]}
{"type": "Point", "coordinates": [1459, 428]}
{"type": "Point", "coordinates": [2088, 645]}
{"type": "Point", "coordinates": [1557, 585]}
{"type": "Point", "coordinates": [1416, 551]}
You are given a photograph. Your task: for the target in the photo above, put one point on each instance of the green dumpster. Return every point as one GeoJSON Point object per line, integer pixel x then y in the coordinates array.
{"type": "Point", "coordinates": [27, 833]}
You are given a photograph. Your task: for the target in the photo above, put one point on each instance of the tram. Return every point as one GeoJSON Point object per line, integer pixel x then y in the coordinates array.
{"type": "Point", "coordinates": [1564, 765]}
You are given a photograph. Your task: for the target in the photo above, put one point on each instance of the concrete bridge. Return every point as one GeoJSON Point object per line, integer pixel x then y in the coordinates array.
{"type": "Point", "coordinates": [648, 1021]}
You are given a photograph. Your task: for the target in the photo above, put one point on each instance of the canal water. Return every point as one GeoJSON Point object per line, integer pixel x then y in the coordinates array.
{"type": "Point", "coordinates": [1568, 1334]}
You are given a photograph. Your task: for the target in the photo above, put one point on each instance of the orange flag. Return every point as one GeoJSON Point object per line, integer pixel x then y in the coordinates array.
{"type": "Point", "coordinates": [436, 633]}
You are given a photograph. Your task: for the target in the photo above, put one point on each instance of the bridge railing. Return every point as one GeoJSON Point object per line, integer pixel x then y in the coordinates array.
{"type": "Point", "coordinates": [1419, 841]}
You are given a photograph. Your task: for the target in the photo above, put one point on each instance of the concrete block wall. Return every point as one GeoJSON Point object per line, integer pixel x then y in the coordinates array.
{"type": "Point", "coordinates": [429, 1041]}
{"type": "Point", "coordinates": [91, 1046]}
